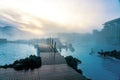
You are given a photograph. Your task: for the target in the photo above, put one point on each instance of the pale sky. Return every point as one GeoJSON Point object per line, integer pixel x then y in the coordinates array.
{"type": "Point", "coordinates": [51, 16]}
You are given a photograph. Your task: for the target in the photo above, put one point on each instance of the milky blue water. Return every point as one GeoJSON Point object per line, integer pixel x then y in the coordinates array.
{"type": "Point", "coordinates": [9, 52]}
{"type": "Point", "coordinates": [94, 66]}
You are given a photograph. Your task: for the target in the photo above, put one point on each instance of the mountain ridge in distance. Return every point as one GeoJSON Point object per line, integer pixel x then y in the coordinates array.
{"type": "Point", "coordinates": [11, 33]}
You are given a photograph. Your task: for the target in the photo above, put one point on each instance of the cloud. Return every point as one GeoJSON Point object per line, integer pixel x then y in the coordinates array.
{"type": "Point", "coordinates": [20, 20]}
{"type": "Point", "coordinates": [43, 17]}
{"type": "Point", "coordinates": [29, 23]}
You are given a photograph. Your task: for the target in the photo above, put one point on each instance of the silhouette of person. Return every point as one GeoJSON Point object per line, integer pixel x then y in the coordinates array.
{"type": "Point", "coordinates": [38, 49]}
{"type": "Point", "coordinates": [92, 51]}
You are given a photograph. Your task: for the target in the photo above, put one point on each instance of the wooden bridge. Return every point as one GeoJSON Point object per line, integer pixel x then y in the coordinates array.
{"type": "Point", "coordinates": [54, 67]}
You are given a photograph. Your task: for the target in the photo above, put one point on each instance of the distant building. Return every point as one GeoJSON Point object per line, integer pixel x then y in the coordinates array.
{"type": "Point", "coordinates": [110, 33]}
{"type": "Point", "coordinates": [112, 30]}
{"type": "Point", "coordinates": [3, 40]}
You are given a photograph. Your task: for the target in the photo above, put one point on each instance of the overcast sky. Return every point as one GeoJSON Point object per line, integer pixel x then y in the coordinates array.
{"type": "Point", "coordinates": [51, 16]}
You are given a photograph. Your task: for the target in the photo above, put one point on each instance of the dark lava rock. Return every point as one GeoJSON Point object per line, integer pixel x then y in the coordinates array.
{"type": "Point", "coordinates": [30, 62]}
{"type": "Point", "coordinates": [73, 62]}
{"type": "Point", "coordinates": [113, 53]}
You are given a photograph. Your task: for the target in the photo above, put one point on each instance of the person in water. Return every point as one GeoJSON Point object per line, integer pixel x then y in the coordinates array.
{"type": "Point", "coordinates": [38, 49]}
{"type": "Point", "coordinates": [92, 51]}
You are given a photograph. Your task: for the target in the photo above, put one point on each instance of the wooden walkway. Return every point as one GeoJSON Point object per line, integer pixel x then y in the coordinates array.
{"type": "Point", "coordinates": [54, 67]}
{"type": "Point", "coordinates": [52, 58]}
{"type": "Point", "coordinates": [46, 72]}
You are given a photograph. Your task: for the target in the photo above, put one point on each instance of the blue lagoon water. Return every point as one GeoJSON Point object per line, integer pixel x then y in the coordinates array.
{"type": "Point", "coordinates": [9, 52]}
{"type": "Point", "coordinates": [94, 66]}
